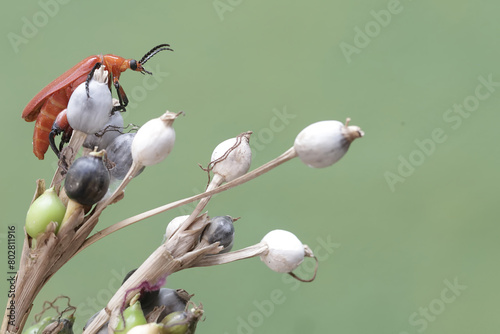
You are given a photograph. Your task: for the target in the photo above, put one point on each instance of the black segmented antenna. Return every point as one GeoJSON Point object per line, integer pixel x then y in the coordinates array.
{"type": "Point", "coordinates": [154, 51]}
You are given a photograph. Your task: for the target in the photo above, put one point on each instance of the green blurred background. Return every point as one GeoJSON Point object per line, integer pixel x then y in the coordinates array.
{"type": "Point", "coordinates": [409, 212]}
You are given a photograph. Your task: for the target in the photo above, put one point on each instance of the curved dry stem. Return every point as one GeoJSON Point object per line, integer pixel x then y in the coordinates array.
{"type": "Point", "coordinates": [286, 156]}
{"type": "Point", "coordinates": [126, 180]}
{"type": "Point", "coordinates": [156, 268]}
{"type": "Point", "coordinates": [216, 182]}
{"type": "Point", "coordinates": [241, 254]}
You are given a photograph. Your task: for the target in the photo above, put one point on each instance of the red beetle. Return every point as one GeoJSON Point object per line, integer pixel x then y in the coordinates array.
{"type": "Point", "coordinates": [51, 100]}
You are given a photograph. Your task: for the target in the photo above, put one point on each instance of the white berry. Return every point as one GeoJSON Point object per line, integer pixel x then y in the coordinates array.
{"type": "Point", "coordinates": [324, 143]}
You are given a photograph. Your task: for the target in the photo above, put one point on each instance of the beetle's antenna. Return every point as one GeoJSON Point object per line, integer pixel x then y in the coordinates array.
{"type": "Point", "coordinates": [154, 51]}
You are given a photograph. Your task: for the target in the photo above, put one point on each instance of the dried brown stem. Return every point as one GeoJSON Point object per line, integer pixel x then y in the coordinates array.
{"type": "Point", "coordinates": [154, 270]}
{"type": "Point", "coordinates": [241, 254]}
{"type": "Point", "coordinates": [288, 155]}
{"type": "Point", "coordinates": [180, 251]}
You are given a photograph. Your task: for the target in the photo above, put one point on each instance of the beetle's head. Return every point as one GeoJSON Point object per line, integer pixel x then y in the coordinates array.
{"type": "Point", "coordinates": [138, 65]}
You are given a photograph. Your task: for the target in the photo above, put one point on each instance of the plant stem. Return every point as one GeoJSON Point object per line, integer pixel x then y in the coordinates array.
{"type": "Point", "coordinates": [240, 254]}
{"type": "Point", "coordinates": [286, 156]}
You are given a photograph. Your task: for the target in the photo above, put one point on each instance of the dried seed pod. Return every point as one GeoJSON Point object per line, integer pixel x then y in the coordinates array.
{"type": "Point", "coordinates": [154, 140]}
{"type": "Point", "coordinates": [323, 143]}
{"type": "Point", "coordinates": [285, 251]}
{"type": "Point", "coordinates": [89, 113]}
{"type": "Point", "coordinates": [87, 180]}
{"type": "Point", "coordinates": [232, 157]}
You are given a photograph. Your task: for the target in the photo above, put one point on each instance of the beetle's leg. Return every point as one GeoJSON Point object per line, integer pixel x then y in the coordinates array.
{"type": "Point", "coordinates": [66, 136]}
{"type": "Point", "coordinates": [122, 97]}
{"type": "Point", "coordinates": [89, 77]}
{"type": "Point", "coordinates": [53, 133]}
{"type": "Point", "coordinates": [59, 126]}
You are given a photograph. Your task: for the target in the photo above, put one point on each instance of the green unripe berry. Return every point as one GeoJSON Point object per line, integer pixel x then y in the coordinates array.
{"type": "Point", "coordinates": [176, 323]}
{"type": "Point", "coordinates": [133, 317]}
{"type": "Point", "coordinates": [45, 209]}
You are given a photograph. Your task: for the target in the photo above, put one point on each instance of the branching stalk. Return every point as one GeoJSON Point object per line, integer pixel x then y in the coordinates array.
{"type": "Point", "coordinates": [286, 156]}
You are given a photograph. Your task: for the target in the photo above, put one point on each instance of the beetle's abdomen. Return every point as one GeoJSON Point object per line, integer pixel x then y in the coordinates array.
{"type": "Point", "coordinates": [48, 113]}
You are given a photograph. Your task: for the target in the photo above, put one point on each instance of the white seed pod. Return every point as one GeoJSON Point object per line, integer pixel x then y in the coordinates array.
{"type": "Point", "coordinates": [324, 143]}
{"type": "Point", "coordinates": [89, 114]}
{"type": "Point", "coordinates": [154, 140]}
{"type": "Point", "coordinates": [112, 129]}
{"type": "Point", "coordinates": [174, 226]}
{"type": "Point", "coordinates": [232, 157]}
{"type": "Point", "coordinates": [285, 251]}
{"type": "Point", "coordinates": [150, 328]}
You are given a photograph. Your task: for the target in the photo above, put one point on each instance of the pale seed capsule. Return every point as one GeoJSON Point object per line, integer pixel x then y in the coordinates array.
{"type": "Point", "coordinates": [232, 157]}
{"type": "Point", "coordinates": [323, 143]}
{"type": "Point", "coordinates": [89, 114]}
{"type": "Point", "coordinates": [154, 140]}
{"type": "Point", "coordinates": [285, 251]}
